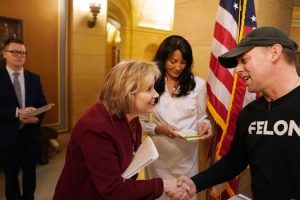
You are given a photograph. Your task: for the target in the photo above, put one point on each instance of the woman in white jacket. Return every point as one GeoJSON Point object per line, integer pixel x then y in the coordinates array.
{"type": "Point", "coordinates": [181, 105]}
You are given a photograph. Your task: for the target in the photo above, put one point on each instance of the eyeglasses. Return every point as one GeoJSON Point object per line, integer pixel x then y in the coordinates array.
{"type": "Point", "coordinates": [16, 53]}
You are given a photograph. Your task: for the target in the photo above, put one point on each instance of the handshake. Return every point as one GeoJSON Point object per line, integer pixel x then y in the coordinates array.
{"type": "Point", "coordinates": [182, 188]}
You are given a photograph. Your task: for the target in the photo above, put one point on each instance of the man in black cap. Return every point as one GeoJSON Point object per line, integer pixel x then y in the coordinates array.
{"type": "Point", "coordinates": [267, 134]}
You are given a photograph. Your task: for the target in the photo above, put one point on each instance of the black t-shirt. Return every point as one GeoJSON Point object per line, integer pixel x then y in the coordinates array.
{"type": "Point", "coordinates": [268, 140]}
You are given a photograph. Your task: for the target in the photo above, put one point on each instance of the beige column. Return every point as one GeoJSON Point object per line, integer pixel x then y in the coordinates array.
{"type": "Point", "coordinates": [88, 57]}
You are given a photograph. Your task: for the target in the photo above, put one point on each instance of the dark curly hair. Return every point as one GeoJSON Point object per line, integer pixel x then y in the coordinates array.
{"type": "Point", "coordinates": [165, 50]}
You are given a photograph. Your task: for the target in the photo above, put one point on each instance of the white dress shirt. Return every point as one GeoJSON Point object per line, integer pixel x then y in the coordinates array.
{"type": "Point", "coordinates": [22, 84]}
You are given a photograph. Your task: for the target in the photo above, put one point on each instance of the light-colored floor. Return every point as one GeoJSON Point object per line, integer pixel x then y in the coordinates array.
{"type": "Point", "coordinates": [47, 175]}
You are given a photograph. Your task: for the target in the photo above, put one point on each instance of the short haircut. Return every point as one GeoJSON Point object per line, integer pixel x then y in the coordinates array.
{"type": "Point", "coordinates": [4, 45]}
{"type": "Point", "coordinates": [290, 56]}
{"type": "Point", "coordinates": [12, 40]}
{"type": "Point", "coordinates": [122, 83]}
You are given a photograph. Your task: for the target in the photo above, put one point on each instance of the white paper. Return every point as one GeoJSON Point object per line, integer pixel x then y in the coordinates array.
{"type": "Point", "coordinates": [38, 110]}
{"type": "Point", "coordinates": [146, 154]}
{"type": "Point", "coordinates": [188, 134]}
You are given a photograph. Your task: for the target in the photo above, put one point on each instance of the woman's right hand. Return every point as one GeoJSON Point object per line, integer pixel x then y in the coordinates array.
{"type": "Point", "coordinates": [167, 130]}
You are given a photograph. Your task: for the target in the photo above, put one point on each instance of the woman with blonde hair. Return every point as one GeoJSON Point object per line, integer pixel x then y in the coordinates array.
{"type": "Point", "coordinates": [104, 140]}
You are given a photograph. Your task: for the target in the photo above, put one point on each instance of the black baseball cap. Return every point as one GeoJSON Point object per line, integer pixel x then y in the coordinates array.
{"type": "Point", "coordinates": [260, 37]}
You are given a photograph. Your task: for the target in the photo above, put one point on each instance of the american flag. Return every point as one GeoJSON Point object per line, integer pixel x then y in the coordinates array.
{"type": "Point", "coordinates": [227, 93]}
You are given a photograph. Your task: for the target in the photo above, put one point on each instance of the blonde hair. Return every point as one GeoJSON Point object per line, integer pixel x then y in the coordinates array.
{"type": "Point", "coordinates": [122, 83]}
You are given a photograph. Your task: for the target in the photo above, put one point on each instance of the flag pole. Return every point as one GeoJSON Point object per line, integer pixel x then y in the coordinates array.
{"type": "Point", "coordinates": [212, 151]}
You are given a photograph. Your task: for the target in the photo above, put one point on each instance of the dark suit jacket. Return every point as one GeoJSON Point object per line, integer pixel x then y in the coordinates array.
{"type": "Point", "coordinates": [100, 149]}
{"type": "Point", "coordinates": [9, 123]}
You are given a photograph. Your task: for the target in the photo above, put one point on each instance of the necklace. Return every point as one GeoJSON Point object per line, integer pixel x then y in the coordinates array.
{"type": "Point", "coordinates": [172, 86]}
{"type": "Point", "coordinates": [174, 89]}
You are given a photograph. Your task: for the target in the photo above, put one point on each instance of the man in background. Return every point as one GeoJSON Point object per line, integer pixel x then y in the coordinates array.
{"type": "Point", "coordinates": [20, 92]}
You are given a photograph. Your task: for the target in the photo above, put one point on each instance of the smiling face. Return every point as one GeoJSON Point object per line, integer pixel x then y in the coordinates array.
{"type": "Point", "coordinates": [255, 68]}
{"type": "Point", "coordinates": [145, 99]}
{"type": "Point", "coordinates": [174, 65]}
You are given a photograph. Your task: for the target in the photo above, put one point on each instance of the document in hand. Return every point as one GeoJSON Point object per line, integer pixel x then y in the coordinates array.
{"type": "Point", "coordinates": [38, 110]}
{"type": "Point", "coordinates": [188, 134]}
{"type": "Point", "coordinates": [146, 154]}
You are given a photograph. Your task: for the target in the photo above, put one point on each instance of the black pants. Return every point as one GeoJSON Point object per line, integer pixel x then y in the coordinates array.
{"type": "Point", "coordinates": [21, 157]}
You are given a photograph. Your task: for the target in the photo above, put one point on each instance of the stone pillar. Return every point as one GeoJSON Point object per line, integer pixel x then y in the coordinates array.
{"type": "Point", "coordinates": [88, 57]}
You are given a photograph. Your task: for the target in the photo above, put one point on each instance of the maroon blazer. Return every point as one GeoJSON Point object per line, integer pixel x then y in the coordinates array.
{"type": "Point", "coordinates": [100, 149]}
